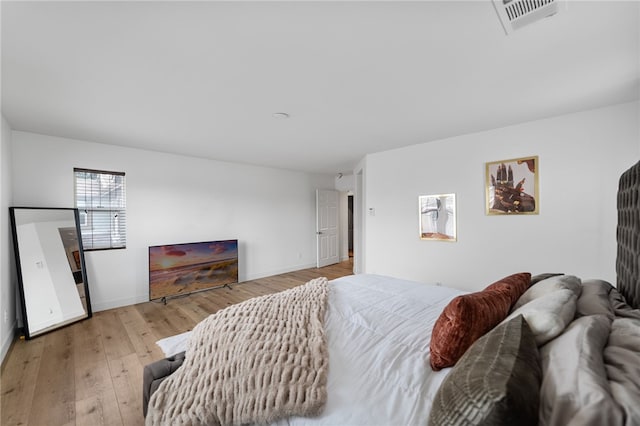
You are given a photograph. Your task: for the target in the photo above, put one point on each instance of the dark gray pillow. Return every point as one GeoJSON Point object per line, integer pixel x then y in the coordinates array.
{"type": "Point", "coordinates": [540, 277]}
{"type": "Point", "coordinates": [496, 382]}
{"type": "Point", "coordinates": [155, 373]}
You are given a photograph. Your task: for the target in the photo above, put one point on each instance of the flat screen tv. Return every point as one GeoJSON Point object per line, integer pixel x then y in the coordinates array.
{"type": "Point", "coordinates": [178, 269]}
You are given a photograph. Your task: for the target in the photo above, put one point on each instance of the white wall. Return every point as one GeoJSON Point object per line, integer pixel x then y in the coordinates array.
{"type": "Point", "coordinates": [581, 158]}
{"type": "Point", "coordinates": [175, 199]}
{"type": "Point", "coordinates": [7, 265]}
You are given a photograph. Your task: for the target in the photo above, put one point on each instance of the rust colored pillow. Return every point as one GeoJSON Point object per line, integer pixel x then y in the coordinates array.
{"type": "Point", "coordinates": [468, 317]}
{"type": "Point", "coordinates": [513, 285]}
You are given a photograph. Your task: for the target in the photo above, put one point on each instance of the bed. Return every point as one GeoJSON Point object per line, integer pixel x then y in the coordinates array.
{"type": "Point", "coordinates": [547, 349]}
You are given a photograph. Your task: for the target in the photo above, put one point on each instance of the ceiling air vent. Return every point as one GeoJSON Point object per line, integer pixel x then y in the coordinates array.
{"type": "Point", "coordinates": [515, 14]}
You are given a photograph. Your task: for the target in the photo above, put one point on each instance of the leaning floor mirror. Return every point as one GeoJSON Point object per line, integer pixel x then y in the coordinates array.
{"type": "Point", "coordinates": [52, 277]}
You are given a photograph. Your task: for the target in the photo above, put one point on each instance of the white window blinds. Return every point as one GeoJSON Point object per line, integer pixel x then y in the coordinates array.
{"type": "Point", "coordinates": [100, 199]}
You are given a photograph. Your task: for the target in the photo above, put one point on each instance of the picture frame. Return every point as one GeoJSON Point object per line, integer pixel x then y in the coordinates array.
{"type": "Point", "coordinates": [511, 187]}
{"type": "Point", "coordinates": [437, 217]}
{"type": "Point", "coordinates": [76, 259]}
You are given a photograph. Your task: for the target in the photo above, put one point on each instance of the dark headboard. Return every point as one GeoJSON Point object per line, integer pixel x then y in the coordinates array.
{"type": "Point", "coordinates": [628, 233]}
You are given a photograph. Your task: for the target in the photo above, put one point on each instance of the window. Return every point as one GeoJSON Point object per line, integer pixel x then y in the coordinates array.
{"type": "Point", "coordinates": [100, 199]}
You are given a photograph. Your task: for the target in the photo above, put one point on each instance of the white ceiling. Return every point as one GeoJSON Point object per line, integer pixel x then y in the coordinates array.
{"type": "Point", "coordinates": [204, 78]}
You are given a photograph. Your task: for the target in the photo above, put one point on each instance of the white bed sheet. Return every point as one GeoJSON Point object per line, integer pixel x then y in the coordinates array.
{"type": "Point", "coordinates": [378, 330]}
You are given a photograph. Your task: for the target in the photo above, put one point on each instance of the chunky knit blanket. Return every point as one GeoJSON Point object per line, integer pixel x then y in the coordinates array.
{"type": "Point", "coordinates": [254, 362]}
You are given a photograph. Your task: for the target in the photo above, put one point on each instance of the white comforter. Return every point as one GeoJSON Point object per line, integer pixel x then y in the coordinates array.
{"type": "Point", "coordinates": [378, 331]}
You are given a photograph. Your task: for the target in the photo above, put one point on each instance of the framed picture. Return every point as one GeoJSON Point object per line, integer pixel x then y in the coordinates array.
{"type": "Point", "coordinates": [76, 259]}
{"type": "Point", "coordinates": [512, 186]}
{"type": "Point", "coordinates": [437, 217]}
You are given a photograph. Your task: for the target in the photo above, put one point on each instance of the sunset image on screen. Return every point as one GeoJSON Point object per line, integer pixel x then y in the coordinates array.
{"type": "Point", "coordinates": [184, 268]}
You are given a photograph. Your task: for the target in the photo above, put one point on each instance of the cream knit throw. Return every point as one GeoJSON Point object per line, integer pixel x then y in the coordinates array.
{"type": "Point", "coordinates": [254, 362]}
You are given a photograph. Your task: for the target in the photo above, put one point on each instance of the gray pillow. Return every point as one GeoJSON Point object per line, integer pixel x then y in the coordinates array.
{"type": "Point", "coordinates": [496, 382]}
{"type": "Point", "coordinates": [594, 299]}
{"type": "Point", "coordinates": [547, 286]}
{"type": "Point", "coordinates": [542, 277]}
{"type": "Point", "coordinates": [549, 314]}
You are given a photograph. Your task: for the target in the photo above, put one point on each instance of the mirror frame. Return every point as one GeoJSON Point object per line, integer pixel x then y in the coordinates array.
{"type": "Point", "coordinates": [23, 308]}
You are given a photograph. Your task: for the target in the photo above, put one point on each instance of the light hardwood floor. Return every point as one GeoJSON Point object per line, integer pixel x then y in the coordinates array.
{"type": "Point", "coordinates": [90, 373]}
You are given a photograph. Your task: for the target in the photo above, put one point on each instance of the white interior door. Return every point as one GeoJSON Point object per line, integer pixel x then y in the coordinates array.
{"type": "Point", "coordinates": [327, 227]}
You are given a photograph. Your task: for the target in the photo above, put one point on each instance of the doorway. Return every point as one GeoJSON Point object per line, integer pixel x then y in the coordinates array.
{"type": "Point", "coordinates": [350, 226]}
{"type": "Point", "coordinates": [327, 227]}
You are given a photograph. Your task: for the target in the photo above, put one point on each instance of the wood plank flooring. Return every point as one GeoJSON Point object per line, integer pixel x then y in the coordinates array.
{"type": "Point", "coordinates": [90, 373]}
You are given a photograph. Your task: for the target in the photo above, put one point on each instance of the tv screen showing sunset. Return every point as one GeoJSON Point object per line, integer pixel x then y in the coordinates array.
{"type": "Point", "coordinates": [178, 269]}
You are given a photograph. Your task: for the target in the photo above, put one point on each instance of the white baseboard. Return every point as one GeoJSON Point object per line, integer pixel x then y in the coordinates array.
{"type": "Point", "coordinates": [6, 345]}
{"type": "Point", "coordinates": [118, 303]}
{"type": "Point", "coordinates": [277, 272]}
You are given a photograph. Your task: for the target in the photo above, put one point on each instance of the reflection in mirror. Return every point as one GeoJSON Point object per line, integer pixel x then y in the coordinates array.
{"type": "Point", "coordinates": [52, 276]}
{"type": "Point", "coordinates": [438, 217]}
